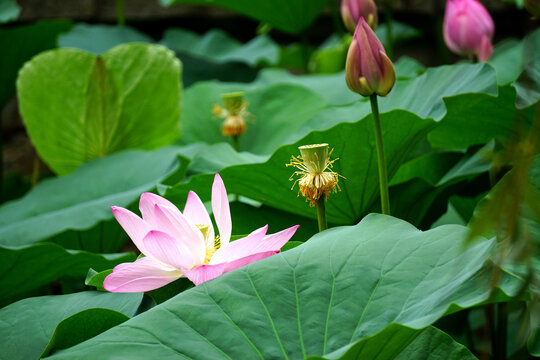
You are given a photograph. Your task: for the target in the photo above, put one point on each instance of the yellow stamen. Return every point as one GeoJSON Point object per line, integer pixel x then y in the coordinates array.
{"type": "Point", "coordinates": [211, 246]}
{"type": "Point", "coordinates": [316, 179]}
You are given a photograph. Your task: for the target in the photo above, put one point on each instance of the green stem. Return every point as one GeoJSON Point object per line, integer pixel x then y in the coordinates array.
{"type": "Point", "coordinates": [304, 42]}
{"type": "Point", "coordinates": [236, 146]}
{"type": "Point", "coordinates": [236, 143]}
{"type": "Point", "coordinates": [383, 176]}
{"type": "Point", "coordinates": [389, 33]}
{"type": "Point", "coordinates": [1, 163]}
{"type": "Point", "coordinates": [502, 326]}
{"type": "Point", "coordinates": [321, 214]}
{"type": "Point", "coordinates": [120, 16]}
{"type": "Point", "coordinates": [35, 171]}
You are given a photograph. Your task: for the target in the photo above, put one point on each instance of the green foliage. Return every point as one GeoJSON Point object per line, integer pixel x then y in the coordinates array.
{"type": "Point", "coordinates": [279, 111]}
{"type": "Point", "coordinates": [289, 16]}
{"type": "Point", "coordinates": [404, 343]}
{"type": "Point", "coordinates": [218, 46]}
{"type": "Point", "coordinates": [337, 289]}
{"type": "Point", "coordinates": [400, 33]}
{"type": "Point", "coordinates": [19, 44]}
{"type": "Point", "coordinates": [77, 106]}
{"type": "Point", "coordinates": [78, 202]}
{"type": "Point", "coordinates": [9, 11]}
{"type": "Point", "coordinates": [28, 325]}
{"type": "Point", "coordinates": [82, 326]}
{"type": "Point", "coordinates": [454, 140]}
{"type": "Point", "coordinates": [267, 182]}
{"type": "Point", "coordinates": [26, 269]}
{"type": "Point", "coordinates": [94, 278]}
{"type": "Point", "coordinates": [98, 39]}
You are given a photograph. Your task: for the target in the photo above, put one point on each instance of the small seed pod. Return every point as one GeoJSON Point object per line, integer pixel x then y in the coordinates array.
{"type": "Point", "coordinates": [315, 170]}
{"type": "Point", "coordinates": [235, 113]}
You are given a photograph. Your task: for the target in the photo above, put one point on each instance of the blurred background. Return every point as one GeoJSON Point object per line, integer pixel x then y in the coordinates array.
{"type": "Point", "coordinates": [38, 25]}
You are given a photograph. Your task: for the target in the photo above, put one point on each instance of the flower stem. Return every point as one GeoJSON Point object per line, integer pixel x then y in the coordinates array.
{"type": "Point", "coordinates": [236, 143]}
{"type": "Point", "coordinates": [383, 177]}
{"type": "Point", "coordinates": [120, 16]}
{"type": "Point", "coordinates": [1, 163]}
{"type": "Point", "coordinates": [501, 331]}
{"type": "Point", "coordinates": [236, 146]}
{"type": "Point", "coordinates": [321, 214]}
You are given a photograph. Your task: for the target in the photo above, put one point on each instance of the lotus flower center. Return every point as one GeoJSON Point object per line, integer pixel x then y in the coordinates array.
{"type": "Point", "coordinates": [211, 245]}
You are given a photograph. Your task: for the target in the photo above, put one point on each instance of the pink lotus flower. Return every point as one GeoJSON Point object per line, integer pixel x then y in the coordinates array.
{"type": "Point", "coordinates": [353, 10]}
{"type": "Point", "coordinates": [176, 244]}
{"type": "Point", "coordinates": [368, 70]}
{"type": "Point", "coordinates": [468, 28]}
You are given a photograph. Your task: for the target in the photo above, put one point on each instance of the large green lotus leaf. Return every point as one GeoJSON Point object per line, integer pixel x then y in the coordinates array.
{"type": "Point", "coordinates": [82, 326]}
{"type": "Point", "coordinates": [28, 268]}
{"type": "Point", "coordinates": [81, 200]}
{"type": "Point", "coordinates": [279, 111]}
{"type": "Point", "coordinates": [528, 84]}
{"type": "Point", "coordinates": [218, 46]}
{"type": "Point", "coordinates": [28, 325]}
{"type": "Point", "coordinates": [476, 119]}
{"type": "Point", "coordinates": [19, 44]}
{"type": "Point", "coordinates": [268, 182]}
{"type": "Point", "coordinates": [98, 39]}
{"type": "Point", "coordinates": [434, 344]}
{"type": "Point", "coordinates": [77, 106]}
{"type": "Point", "coordinates": [335, 290]}
{"type": "Point", "coordinates": [421, 187]}
{"type": "Point", "coordinates": [510, 57]}
{"type": "Point", "coordinates": [518, 62]}
{"type": "Point", "coordinates": [286, 15]}
{"type": "Point", "coordinates": [9, 11]}
{"type": "Point", "coordinates": [320, 83]}
{"type": "Point", "coordinates": [402, 343]}
{"type": "Point", "coordinates": [422, 95]}
{"type": "Point", "coordinates": [507, 60]}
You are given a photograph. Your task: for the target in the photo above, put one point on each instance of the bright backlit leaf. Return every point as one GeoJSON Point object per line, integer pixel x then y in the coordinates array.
{"type": "Point", "coordinates": [77, 106]}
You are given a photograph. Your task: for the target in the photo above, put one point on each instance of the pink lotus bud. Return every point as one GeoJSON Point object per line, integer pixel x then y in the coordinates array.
{"type": "Point", "coordinates": [368, 70]}
{"type": "Point", "coordinates": [353, 10]}
{"type": "Point", "coordinates": [468, 28]}
{"type": "Point", "coordinates": [533, 7]}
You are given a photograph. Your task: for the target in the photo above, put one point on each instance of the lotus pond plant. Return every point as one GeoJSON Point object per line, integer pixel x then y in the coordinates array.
{"type": "Point", "coordinates": [176, 244]}
{"type": "Point", "coordinates": [369, 72]}
{"type": "Point", "coordinates": [316, 178]}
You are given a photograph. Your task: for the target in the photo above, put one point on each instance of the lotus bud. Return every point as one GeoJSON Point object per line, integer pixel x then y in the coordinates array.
{"type": "Point", "coordinates": [468, 29]}
{"type": "Point", "coordinates": [533, 7]}
{"type": "Point", "coordinates": [315, 170]}
{"type": "Point", "coordinates": [368, 70]}
{"type": "Point", "coordinates": [234, 112]}
{"type": "Point", "coordinates": [353, 10]}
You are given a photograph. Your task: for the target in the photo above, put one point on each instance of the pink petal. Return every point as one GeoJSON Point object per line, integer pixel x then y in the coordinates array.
{"type": "Point", "coordinates": [135, 227]}
{"type": "Point", "coordinates": [178, 226]}
{"type": "Point", "coordinates": [485, 49]}
{"type": "Point", "coordinates": [147, 203]}
{"type": "Point", "coordinates": [196, 212]}
{"type": "Point", "coordinates": [222, 212]}
{"type": "Point", "coordinates": [144, 274]}
{"type": "Point", "coordinates": [248, 260]}
{"type": "Point", "coordinates": [168, 250]}
{"type": "Point", "coordinates": [204, 273]}
{"type": "Point", "coordinates": [239, 248]}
